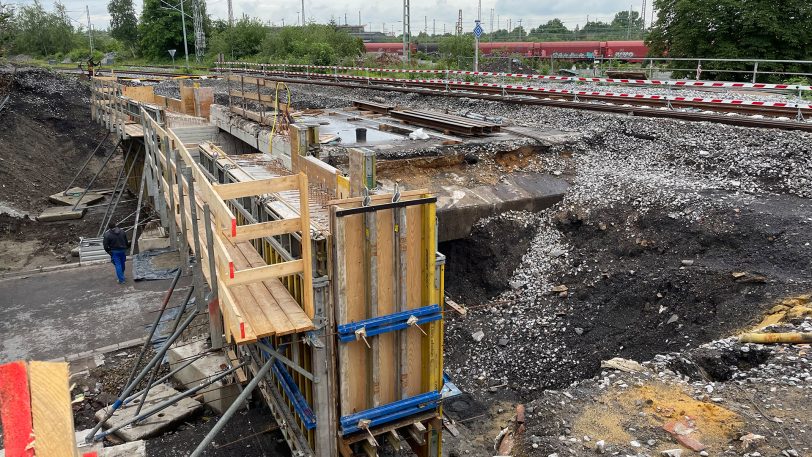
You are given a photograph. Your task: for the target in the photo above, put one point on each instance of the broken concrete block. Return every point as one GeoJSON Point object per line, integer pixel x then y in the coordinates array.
{"type": "Point", "coordinates": [60, 213]}
{"type": "Point", "coordinates": [220, 395]}
{"type": "Point", "coordinates": [156, 424]}
{"type": "Point", "coordinates": [478, 335]}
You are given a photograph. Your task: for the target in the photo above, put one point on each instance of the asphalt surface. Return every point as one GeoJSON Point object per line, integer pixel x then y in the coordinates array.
{"type": "Point", "coordinates": [59, 313]}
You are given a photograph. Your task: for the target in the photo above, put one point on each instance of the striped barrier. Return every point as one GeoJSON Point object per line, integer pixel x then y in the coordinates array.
{"type": "Point", "coordinates": [649, 82]}
{"type": "Point", "coordinates": [538, 89]}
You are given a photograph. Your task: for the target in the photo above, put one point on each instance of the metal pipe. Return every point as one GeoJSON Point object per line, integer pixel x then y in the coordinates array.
{"type": "Point", "coordinates": [128, 390]}
{"type": "Point", "coordinates": [157, 366]}
{"type": "Point", "coordinates": [233, 408]}
{"type": "Point", "coordinates": [118, 198]}
{"type": "Point", "coordinates": [152, 330]}
{"type": "Point", "coordinates": [166, 403]}
{"type": "Point", "coordinates": [87, 161]}
{"type": "Point", "coordinates": [138, 207]}
{"type": "Point", "coordinates": [115, 189]}
{"type": "Point", "coordinates": [93, 179]}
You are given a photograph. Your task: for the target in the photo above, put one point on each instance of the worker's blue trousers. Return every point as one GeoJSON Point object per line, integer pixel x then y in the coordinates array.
{"type": "Point", "coordinates": [119, 259]}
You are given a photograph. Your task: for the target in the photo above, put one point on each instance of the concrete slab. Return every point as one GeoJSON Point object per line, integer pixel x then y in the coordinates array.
{"type": "Point", "coordinates": [157, 423]}
{"type": "Point", "coordinates": [459, 208]}
{"type": "Point", "coordinates": [154, 238]}
{"type": "Point", "coordinates": [133, 449]}
{"type": "Point", "coordinates": [60, 213]}
{"type": "Point", "coordinates": [73, 195]}
{"type": "Point", "coordinates": [68, 311]}
{"type": "Point", "coordinates": [219, 396]}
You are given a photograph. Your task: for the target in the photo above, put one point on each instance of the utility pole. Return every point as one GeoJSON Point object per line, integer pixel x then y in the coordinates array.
{"type": "Point", "coordinates": [643, 16]}
{"type": "Point", "coordinates": [303, 14]}
{"type": "Point", "coordinates": [359, 18]}
{"type": "Point", "coordinates": [231, 14]}
{"type": "Point", "coordinates": [629, 26]}
{"type": "Point", "coordinates": [434, 27]}
{"type": "Point", "coordinates": [521, 35]}
{"type": "Point", "coordinates": [459, 24]}
{"type": "Point", "coordinates": [491, 36]}
{"type": "Point", "coordinates": [185, 43]}
{"type": "Point", "coordinates": [426, 25]}
{"type": "Point", "coordinates": [407, 32]}
{"type": "Point", "coordinates": [89, 30]}
{"type": "Point", "coordinates": [200, 34]}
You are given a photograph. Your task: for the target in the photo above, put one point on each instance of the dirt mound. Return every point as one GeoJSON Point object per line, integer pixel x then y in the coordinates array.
{"type": "Point", "coordinates": [479, 267]}
{"type": "Point", "coordinates": [637, 284]}
{"type": "Point", "coordinates": [45, 134]}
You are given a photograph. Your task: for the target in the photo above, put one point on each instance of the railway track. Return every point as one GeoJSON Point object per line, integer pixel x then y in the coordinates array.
{"type": "Point", "coordinates": [786, 118]}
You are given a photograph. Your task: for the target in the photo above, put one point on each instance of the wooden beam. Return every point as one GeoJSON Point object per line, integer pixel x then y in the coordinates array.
{"type": "Point", "coordinates": [370, 447]}
{"type": "Point", "coordinates": [277, 270]}
{"type": "Point", "coordinates": [51, 410]}
{"type": "Point", "coordinates": [394, 439]}
{"type": "Point", "coordinates": [307, 268]}
{"type": "Point", "coordinates": [417, 432]}
{"type": "Point", "coordinates": [265, 229]}
{"type": "Point", "coordinates": [456, 306]}
{"type": "Point", "coordinates": [15, 409]}
{"type": "Point", "coordinates": [258, 187]}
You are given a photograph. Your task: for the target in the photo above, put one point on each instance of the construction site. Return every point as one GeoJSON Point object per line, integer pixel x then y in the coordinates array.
{"type": "Point", "coordinates": [326, 264]}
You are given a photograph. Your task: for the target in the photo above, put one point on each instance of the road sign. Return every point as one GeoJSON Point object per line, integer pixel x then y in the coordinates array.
{"type": "Point", "coordinates": [172, 52]}
{"type": "Point", "coordinates": [478, 30]}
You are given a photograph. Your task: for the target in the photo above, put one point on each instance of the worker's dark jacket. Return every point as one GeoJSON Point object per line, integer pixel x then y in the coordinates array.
{"type": "Point", "coordinates": [115, 239]}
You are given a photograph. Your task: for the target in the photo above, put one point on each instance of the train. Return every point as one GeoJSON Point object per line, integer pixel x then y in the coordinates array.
{"type": "Point", "coordinates": [570, 50]}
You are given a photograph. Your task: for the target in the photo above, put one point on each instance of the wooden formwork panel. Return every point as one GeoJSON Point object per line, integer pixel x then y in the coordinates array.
{"type": "Point", "coordinates": [383, 262]}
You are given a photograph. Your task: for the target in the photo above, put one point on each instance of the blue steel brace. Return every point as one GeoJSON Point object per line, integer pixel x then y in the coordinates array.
{"type": "Point", "coordinates": [390, 412]}
{"type": "Point", "coordinates": [389, 323]}
{"type": "Point", "coordinates": [295, 396]}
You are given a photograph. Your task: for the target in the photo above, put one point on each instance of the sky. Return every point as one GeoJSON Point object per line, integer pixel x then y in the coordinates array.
{"type": "Point", "coordinates": [387, 15]}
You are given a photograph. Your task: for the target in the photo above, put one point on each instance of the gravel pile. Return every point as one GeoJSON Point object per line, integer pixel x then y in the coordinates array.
{"type": "Point", "coordinates": [764, 400]}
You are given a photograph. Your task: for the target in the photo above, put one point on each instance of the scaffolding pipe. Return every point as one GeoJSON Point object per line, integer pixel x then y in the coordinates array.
{"type": "Point", "coordinates": [87, 161]}
{"type": "Point", "coordinates": [233, 408]}
{"type": "Point", "coordinates": [166, 403]}
{"type": "Point", "coordinates": [152, 330]}
{"type": "Point", "coordinates": [138, 208]}
{"type": "Point", "coordinates": [128, 390]}
{"type": "Point", "coordinates": [154, 371]}
{"type": "Point", "coordinates": [118, 198]}
{"type": "Point", "coordinates": [115, 187]}
{"type": "Point", "coordinates": [93, 179]}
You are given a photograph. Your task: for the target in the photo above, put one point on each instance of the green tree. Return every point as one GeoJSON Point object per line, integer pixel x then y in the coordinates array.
{"type": "Point", "coordinates": [628, 26]}
{"type": "Point", "coordinates": [242, 40]}
{"type": "Point", "coordinates": [7, 26]}
{"type": "Point", "coordinates": [161, 29]}
{"type": "Point", "coordinates": [553, 30]}
{"type": "Point", "coordinates": [123, 22]}
{"type": "Point", "coordinates": [746, 29]}
{"type": "Point", "coordinates": [43, 33]}
{"type": "Point", "coordinates": [315, 44]}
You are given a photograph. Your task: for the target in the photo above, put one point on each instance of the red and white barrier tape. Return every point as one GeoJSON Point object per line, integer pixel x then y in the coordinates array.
{"type": "Point", "coordinates": [536, 89]}
{"type": "Point", "coordinates": [649, 82]}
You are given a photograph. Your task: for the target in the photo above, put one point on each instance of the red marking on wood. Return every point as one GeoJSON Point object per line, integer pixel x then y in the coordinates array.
{"type": "Point", "coordinates": [90, 454]}
{"type": "Point", "coordinates": [214, 306]}
{"type": "Point", "coordinates": [233, 227]}
{"type": "Point", "coordinates": [15, 409]}
{"type": "Point", "coordinates": [242, 330]}
{"type": "Point", "coordinates": [231, 270]}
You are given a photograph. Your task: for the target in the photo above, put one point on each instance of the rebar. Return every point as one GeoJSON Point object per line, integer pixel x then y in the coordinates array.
{"type": "Point", "coordinates": [87, 161]}
{"type": "Point", "coordinates": [93, 179]}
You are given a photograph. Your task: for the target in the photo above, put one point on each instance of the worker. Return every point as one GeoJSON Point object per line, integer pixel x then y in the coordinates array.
{"type": "Point", "coordinates": [90, 66]}
{"type": "Point", "coordinates": [115, 243]}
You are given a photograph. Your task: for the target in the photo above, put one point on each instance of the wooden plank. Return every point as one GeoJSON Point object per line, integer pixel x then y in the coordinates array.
{"type": "Point", "coordinates": [354, 377]}
{"type": "Point", "coordinates": [414, 299]}
{"type": "Point", "coordinates": [259, 274]}
{"type": "Point", "coordinates": [401, 261]}
{"type": "Point", "coordinates": [15, 409]}
{"type": "Point", "coordinates": [386, 305]}
{"type": "Point", "coordinates": [187, 99]}
{"type": "Point", "coordinates": [456, 306]}
{"type": "Point", "coordinates": [307, 272]}
{"type": "Point", "coordinates": [51, 410]}
{"type": "Point", "coordinates": [355, 202]}
{"type": "Point", "coordinates": [371, 248]}
{"type": "Point", "coordinates": [258, 187]}
{"type": "Point", "coordinates": [265, 229]}
{"type": "Point", "coordinates": [238, 326]}
{"type": "Point", "coordinates": [268, 301]}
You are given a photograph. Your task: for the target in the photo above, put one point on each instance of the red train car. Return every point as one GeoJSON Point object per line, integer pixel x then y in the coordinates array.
{"type": "Point", "coordinates": [570, 49]}
{"type": "Point", "coordinates": [523, 48]}
{"type": "Point", "coordinates": [387, 48]}
{"type": "Point", "coordinates": [624, 50]}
